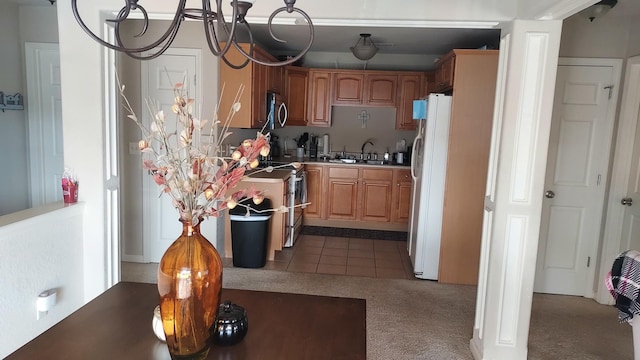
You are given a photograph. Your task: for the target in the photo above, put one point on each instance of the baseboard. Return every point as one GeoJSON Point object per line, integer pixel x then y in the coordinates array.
{"type": "Point", "coordinates": [133, 258]}
{"type": "Point", "coordinates": [355, 233]}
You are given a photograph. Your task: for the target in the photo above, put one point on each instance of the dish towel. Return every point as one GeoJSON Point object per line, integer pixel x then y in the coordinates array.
{"type": "Point", "coordinates": [623, 282]}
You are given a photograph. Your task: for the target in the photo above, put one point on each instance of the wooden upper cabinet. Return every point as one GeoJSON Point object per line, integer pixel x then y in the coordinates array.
{"type": "Point", "coordinates": [296, 86]}
{"type": "Point", "coordinates": [348, 88]}
{"type": "Point", "coordinates": [445, 72]}
{"type": "Point", "coordinates": [409, 89]}
{"type": "Point", "coordinates": [380, 89]}
{"type": "Point", "coordinates": [371, 88]}
{"type": "Point", "coordinates": [429, 84]}
{"type": "Point", "coordinates": [319, 98]}
{"type": "Point", "coordinates": [255, 78]}
{"type": "Point", "coordinates": [276, 79]}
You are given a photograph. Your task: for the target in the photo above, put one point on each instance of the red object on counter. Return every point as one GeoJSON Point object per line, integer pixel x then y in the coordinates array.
{"type": "Point", "coordinates": [70, 192]}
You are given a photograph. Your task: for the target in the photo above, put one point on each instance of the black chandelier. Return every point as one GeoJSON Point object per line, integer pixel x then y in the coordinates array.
{"type": "Point", "coordinates": [209, 18]}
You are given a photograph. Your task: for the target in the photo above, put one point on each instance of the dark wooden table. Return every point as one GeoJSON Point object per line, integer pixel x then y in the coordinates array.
{"type": "Point", "coordinates": [117, 325]}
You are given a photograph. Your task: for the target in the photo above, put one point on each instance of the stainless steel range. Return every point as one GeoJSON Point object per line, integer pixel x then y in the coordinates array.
{"type": "Point", "coordinates": [296, 196]}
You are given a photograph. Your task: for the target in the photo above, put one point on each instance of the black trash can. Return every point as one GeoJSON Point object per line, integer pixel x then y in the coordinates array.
{"type": "Point", "coordinates": [250, 233]}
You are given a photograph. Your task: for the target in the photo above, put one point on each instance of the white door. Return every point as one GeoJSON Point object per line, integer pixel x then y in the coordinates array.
{"type": "Point", "coordinates": [631, 223]}
{"type": "Point", "coordinates": [160, 219]}
{"type": "Point", "coordinates": [577, 167]}
{"type": "Point", "coordinates": [46, 160]}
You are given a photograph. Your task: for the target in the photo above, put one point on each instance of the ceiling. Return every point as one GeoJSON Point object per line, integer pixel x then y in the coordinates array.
{"type": "Point", "coordinates": [390, 40]}
{"type": "Point", "coordinates": [399, 40]}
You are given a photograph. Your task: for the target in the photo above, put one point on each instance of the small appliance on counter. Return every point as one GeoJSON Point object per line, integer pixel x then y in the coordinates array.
{"type": "Point", "coordinates": [326, 148]}
{"type": "Point", "coordinates": [302, 145]}
{"type": "Point", "coordinates": [313, 147]}
{"type": "Point", "coordinates": [274, 144]}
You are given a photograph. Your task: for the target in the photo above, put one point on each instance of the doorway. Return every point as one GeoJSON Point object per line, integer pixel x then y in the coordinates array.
{"type": "Point", "coordinates": [619, 217]}
{"type": "Point", "coordinates": [46, 157]}
{"type": "Point", "coordinates": [159, 76]}
{"type": "Point", "coordinates": [576, 177]}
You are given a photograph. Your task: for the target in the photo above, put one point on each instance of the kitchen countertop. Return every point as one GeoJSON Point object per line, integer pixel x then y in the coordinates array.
{"type": "Point", "coordinates": [260, 175]}
{"type": "Point", "coordinates": [320, 161]}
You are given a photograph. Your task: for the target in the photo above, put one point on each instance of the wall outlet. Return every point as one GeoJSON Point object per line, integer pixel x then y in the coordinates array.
{"type": "Point", "coordinates": [133, 148]}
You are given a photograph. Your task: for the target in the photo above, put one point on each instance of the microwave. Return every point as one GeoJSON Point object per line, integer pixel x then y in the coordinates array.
{"type": "Point", "coordinates": [276, 110]}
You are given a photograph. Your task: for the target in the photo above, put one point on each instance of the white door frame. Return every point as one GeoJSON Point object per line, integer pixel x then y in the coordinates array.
{"type": "Point", "coordinates": [620, 172]}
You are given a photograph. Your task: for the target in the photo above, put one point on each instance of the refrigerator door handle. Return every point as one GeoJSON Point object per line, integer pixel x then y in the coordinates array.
{"type": "Point", "coordinates": [414, 156]}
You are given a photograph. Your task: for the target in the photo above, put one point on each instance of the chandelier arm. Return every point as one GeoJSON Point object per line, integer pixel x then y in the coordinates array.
{"type": "Point", "coordinates": [208, 21]}
{"type": "Point", "coordinates": [241, 51]}
{"type": "Point", "coordinates": [160, 51]}
{"type": "Point", "coordinates": [122, 15]}
{"type": "Point", "coordinates": [300, 54]}
{"type": "Point", "coordinates": [231, 34]}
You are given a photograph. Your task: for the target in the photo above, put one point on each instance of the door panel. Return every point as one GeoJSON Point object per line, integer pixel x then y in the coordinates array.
{"type": "Point", "coordinates": [160, 225]}
{"type": "Point", "coordinates": [45, 122]}
{"type": "Point", "coordinates": [631, 222]}
{"type": "Point", "coordinates": [577, 166]}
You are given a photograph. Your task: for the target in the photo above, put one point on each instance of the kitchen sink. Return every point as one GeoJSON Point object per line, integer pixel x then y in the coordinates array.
{"type": "Point", "coordinates": [375, 162]}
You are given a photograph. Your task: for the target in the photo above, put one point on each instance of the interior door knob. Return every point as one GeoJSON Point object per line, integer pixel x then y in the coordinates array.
{"type": "Point", "coordinates": [627, 201]}
{"type": "Point", "coordinates": [549, 194]}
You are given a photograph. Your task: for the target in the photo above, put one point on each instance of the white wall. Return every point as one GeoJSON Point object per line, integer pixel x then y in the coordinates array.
{"type": "Point", "coordinates": [14, 195]}
{"type": "Point", "coordinates": [18, 24]}
{"type": "Point", "coordinates": [633, 46]}
{"type": "Point", "coordinates": [607, 37]}
{"type": "Point", "coordinates": [40, 253]}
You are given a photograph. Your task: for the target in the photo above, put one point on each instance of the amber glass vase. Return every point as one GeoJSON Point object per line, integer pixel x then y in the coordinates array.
{"type": "Point", "coordinates": [189, 284]}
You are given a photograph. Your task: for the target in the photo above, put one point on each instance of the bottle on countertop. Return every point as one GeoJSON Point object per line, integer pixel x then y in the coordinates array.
{"type": "Point", "coordinates": [387, 156]}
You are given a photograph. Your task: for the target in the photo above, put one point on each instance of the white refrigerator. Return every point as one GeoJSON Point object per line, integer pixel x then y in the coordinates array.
{"type": "Point", "coordinates": [428, 169]}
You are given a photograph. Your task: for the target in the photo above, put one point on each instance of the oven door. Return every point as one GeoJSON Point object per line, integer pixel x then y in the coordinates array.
{"type": "Point", "coordinates": [296, 197]}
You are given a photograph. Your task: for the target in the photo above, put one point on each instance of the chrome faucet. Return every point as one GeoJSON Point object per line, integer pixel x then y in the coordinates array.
{"type": "Point", "coordinates": [368, 141]}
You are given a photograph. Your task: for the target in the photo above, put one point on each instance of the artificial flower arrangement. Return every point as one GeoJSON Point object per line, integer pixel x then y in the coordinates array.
{"type": "Point", "coordinates": [186, 161]}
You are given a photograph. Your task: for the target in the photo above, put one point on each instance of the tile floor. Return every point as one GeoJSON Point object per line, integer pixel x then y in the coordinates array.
{"type": "Point", "coordinates": [343, 256]}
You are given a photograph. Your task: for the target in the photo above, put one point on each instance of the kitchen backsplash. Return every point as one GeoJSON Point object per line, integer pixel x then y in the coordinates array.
{"type": "Point", "coordinates": [347, 132]}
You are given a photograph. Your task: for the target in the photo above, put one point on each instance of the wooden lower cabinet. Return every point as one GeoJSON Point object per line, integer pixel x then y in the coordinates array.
{"type": "Point", "coordinates": [315, 192]}
{"type": "Point", "coordinates": [342, 193]}
{"type": "Point", "coordinates": [375, 189]}
{"type": "Point", "coordinates": [359, 197]}
{"type": "Point", "coordinates": [401, 198]}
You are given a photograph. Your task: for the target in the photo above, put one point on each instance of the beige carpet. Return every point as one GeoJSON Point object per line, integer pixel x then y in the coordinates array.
{"type": "Point", "coordinates": [415, 319]}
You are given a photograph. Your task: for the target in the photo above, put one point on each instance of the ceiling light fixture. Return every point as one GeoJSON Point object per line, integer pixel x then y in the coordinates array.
{"type": "Point", "coordinates": [213, 21]}
{"type": "Point", "coordinates": [598, 9]}
{"type": "Point", "coordinates": [364, 49]}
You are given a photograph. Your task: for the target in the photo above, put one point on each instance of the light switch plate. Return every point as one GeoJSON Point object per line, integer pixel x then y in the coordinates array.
{"type": "Point", "coordinates": [133, 148]}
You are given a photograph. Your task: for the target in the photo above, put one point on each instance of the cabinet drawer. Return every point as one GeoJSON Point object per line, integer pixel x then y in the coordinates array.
{"type": "Point", "coordinates": [343, 172]}
{"type": "Point", "coordinates": [404, 175]}
{"type": "Point", "coordinates": [377, 174]}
